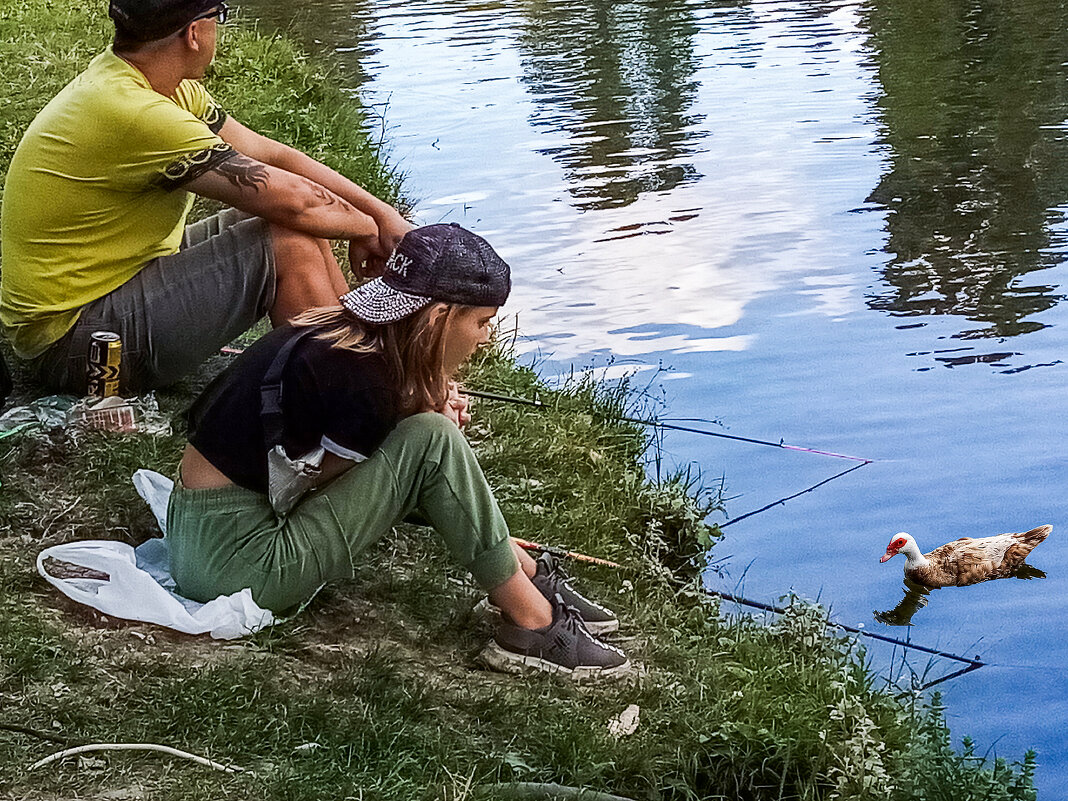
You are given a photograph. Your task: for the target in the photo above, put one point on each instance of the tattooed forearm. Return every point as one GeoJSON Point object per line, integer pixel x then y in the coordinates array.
{"type": "Point", "coordinates": [244, 172]}
{"type": "Point", "coordinates": [328, 198]}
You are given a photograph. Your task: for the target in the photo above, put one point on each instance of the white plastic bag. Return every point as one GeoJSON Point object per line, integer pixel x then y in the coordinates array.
{"type": "Point", "coordinates": [156, 489]}
{"type": "Point", "coordinates": [131, 593]}
{"type": "Point", "coordinates": [136, 584]}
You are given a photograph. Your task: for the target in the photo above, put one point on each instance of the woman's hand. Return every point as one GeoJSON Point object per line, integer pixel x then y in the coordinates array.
{"type": "Point", "coordinates": [457, 406]}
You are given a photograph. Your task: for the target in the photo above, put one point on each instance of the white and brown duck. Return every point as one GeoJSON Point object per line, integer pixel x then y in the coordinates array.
{"type": "Point", "coordinates": [966, 561]}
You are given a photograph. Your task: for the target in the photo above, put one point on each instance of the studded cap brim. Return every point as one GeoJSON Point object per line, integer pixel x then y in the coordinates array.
{"type": "Point", "coordinates": [377, 302]}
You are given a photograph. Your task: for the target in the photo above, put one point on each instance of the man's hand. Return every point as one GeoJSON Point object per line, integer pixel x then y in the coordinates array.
{"type": "Point", "coordinates": [364, 265]}
{"type": "Point", "coordinates": [368, 260]}
{"type": "Point", "coordinates": [391, 230]}
{"type": "Point", "coordinates": [457, 406]}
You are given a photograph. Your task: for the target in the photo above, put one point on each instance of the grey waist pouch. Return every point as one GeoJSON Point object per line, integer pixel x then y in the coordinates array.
{"type": "Point", "coordinates": [289, 480]}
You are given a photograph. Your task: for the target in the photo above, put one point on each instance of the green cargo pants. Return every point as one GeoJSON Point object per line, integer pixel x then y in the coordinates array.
{"type": "Point", "coordinates": [223, 540]}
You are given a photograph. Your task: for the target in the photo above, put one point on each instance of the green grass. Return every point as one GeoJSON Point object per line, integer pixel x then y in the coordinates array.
{"type": "Point", "coordinates": [378, 674]}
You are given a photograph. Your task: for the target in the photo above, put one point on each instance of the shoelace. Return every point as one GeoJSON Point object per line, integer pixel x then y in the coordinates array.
{"type": "Point", "coordinates": [574, 623]}
{"type": "Point", "coordinates": [572, 617]}
{"type": "Point", "coordinates": [556, 575]}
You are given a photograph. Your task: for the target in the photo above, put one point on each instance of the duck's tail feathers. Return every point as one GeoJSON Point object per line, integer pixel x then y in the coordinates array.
{"type": "Point", "coordinates": [1034, 536]}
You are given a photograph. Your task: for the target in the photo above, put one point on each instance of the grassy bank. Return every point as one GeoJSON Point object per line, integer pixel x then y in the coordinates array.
{"type": "Point", "coordinates": [373, 692]}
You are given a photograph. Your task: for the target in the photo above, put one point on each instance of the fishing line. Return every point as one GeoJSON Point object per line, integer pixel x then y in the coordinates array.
{"type": "Point", "coordinates": [969, 664]}
{"type": "Point", "coordinates": [674, 427]}
{"type": "Point", "coordinates": [659, 424]}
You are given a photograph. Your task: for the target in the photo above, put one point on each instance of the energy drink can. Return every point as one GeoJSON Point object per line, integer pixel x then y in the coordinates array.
{"type": "Point", "coordinates": [105, 359]}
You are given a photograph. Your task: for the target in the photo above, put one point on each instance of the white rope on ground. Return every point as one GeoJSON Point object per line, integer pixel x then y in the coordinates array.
{"type": "Point", "coordinates": [163, 749]}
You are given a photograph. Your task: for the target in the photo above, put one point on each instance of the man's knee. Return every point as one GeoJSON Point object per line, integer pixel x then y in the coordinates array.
{"type": "Point", "coordinates": [295, 251]}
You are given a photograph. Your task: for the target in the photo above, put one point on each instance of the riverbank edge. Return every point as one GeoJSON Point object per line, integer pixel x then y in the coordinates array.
{"type": "Point", "coordinates": [375, 691]}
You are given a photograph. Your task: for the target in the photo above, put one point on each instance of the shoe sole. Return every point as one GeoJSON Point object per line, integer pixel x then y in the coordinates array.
{"type": "Point", "coordinates": [595, 627]}
{"type": "Point", "coordinates": [497, 658]}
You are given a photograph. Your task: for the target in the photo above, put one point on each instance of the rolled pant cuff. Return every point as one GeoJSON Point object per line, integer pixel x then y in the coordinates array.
{"type": "Point", "coordinates": [494, 566]}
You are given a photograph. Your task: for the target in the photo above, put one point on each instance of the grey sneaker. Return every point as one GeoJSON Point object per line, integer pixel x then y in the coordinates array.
{"type": "Point", "coordinates": [565, 646]}
{"type": "Point", "coordinates": [550, 579]}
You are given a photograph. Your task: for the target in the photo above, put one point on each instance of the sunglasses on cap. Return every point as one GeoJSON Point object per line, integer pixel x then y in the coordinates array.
{"type": "Point", "coordinates": [220, 12]}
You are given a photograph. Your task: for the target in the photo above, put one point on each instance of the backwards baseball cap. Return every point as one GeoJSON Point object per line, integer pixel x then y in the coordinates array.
{"type": "Point", "coordinates": [436, 263]}
{"type": "Point", "coordinates": [149, 20]}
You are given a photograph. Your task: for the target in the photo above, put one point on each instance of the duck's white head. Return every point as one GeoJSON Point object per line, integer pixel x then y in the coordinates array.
{"type": "Point", "coordinates": [900, 542]}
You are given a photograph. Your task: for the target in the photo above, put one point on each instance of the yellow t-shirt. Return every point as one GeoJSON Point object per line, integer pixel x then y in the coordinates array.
{"type": "Point", "coordinates": [93, 194]}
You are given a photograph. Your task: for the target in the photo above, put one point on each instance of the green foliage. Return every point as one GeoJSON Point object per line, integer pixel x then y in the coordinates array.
{"type": "Point", "coordinates": [960, 776]}
{"type": "Point", "coordinates": [603, 501]}
{"type": "Point", "coordinates": [43, 44]}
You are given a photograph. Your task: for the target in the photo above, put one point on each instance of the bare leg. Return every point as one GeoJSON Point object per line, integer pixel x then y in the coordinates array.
{"type": "Point", "coordinates": [525, 561]}
{"type": "Point", "coordinates": [307, 274]}
{"type": "Point", "coordinates": [521, 602]}
{"type": "Point", "coordinates": [337, 278]}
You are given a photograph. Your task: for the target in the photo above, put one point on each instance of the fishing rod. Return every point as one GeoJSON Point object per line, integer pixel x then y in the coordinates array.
{"type": "Point", "coordinates": [494, 396]}
{"type": "Point", "coordinates": [782, 501]}
{"type": "Point", "coordinates": [563, 553]}
{"type": "Point", "coordinates": [970, 664]}
{"type": "Point", "coordinates": [673, 427]}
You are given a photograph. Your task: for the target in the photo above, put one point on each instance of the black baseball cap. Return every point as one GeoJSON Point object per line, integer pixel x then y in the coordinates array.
{"type": "Point", "coordinates": [436, 263]}
{"type": "Point", "coordinates": [149, 20]}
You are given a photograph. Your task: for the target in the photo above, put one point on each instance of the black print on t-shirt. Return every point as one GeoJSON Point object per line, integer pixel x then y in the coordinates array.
{"type": "Point", "coordinates": [193, 165]}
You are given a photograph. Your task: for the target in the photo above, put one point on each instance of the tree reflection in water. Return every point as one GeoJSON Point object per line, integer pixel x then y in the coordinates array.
{"type": "Point", "coordinates": [617, 78]}
{"type": "Point", "coordinates": [972, 111]}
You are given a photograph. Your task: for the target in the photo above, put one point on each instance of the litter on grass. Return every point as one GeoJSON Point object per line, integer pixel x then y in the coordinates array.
{"type": "Point", "coordinates": [119, 415]}
{"type": "Point", "coordinates": [136, 584]}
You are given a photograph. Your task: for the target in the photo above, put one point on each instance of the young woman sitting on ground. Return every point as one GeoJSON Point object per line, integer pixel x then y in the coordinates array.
{"type": "Point", "coordinates": [327, 432]}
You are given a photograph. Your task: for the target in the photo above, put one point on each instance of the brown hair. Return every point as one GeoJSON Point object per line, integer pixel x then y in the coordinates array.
{"type": "Point", "coordinates": [413, 347]}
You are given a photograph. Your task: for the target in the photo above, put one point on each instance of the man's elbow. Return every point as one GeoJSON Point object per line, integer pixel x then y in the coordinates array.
{"type": "Point", "coordinates": [291, 210]}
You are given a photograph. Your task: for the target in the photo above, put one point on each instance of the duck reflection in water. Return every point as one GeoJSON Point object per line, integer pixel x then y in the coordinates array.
{"type": "Point", "coordinates": [915, 599]}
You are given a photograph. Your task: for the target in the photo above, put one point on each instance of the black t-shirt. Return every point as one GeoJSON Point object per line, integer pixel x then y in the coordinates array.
{"type": "Point", "coordinates": [336, 398]}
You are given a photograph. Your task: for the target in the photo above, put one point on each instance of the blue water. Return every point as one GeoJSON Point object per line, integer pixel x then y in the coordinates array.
{"type": "Point", "coordinates": [839, 224]}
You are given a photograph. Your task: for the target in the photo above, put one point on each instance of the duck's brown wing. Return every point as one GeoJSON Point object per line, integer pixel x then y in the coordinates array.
{"type": "Point", "coordinates": [967, 560]}
{"type": "Point", "coordinates": [971, 560]}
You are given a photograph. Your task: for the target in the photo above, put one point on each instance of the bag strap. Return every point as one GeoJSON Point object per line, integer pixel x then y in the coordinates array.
{"type": "Point", "coordinates": [271, 391]}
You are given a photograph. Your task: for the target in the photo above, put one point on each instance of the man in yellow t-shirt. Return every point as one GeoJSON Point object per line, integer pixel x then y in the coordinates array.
{"type": "Point", "coordinates": [93, 222]}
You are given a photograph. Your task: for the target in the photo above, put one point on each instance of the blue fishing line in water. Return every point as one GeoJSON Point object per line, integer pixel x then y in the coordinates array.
{"type": "Point", "coordinates": [969, 664]}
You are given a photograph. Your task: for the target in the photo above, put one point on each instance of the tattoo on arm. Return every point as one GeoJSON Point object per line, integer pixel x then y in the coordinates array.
{"type": "Point", "coordinates": [329, 198]}
{"type": "Point", "coordinates": [244, 172]}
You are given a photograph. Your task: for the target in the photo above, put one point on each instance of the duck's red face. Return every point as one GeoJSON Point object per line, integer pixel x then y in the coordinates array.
{"type": "Point", "coordinates": [895, 546]}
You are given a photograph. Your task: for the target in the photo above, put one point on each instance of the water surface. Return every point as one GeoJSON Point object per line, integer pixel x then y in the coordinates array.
{"type": "Point", "coordinates": [841, 224]}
